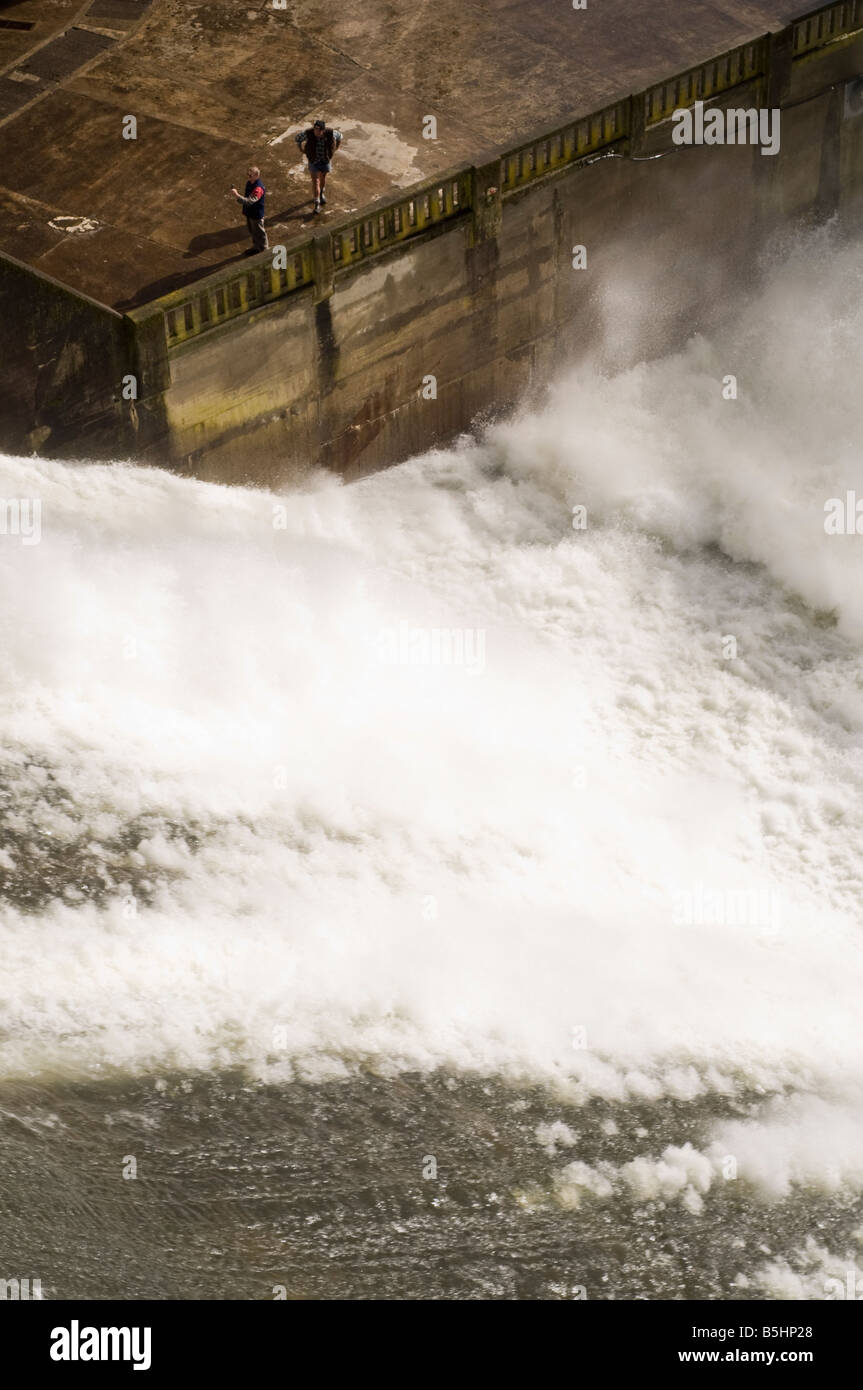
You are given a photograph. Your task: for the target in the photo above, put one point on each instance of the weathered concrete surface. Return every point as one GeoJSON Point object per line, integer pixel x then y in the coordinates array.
{"type": "Point", "coordinates": [671, 244]}
{"type": "Point", "coordinates": [63, 359]}
{"type": "Point", "coordinates": [35, 22]}
{"type": "Point", "coordinates": [216, 85]}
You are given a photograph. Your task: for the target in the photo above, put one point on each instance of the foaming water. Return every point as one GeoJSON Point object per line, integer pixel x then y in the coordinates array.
{"type": "Point", "coordinates": [255, 817]}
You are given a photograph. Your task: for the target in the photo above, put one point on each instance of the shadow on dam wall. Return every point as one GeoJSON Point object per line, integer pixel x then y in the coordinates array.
{"type": "Point", "coordinates": [399, 326]}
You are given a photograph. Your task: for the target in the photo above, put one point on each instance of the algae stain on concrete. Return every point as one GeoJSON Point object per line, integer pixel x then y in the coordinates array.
{"type": "Point", "coordinates": [328, 349]}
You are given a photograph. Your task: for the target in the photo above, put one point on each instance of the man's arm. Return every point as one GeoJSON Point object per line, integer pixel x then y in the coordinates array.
{"type": "Point", "coordinates": [255, 196]}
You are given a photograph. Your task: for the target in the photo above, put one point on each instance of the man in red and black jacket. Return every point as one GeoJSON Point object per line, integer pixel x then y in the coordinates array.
{"type": "Point", "coordinates": [253, 204]}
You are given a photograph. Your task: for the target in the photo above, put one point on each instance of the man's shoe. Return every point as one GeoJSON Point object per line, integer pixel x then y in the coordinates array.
{"type": "Point", "coordinates": [317, 207]}
{"type": "Point", "coordinates": [323, 198]}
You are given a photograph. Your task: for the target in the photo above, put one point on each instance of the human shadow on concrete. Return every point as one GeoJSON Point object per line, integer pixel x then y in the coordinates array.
{"type": "Point", "coordinates": [296, 213]}
{"type": "Point", "coordinates": [301, 213]}
{"type": "Point", "coordinates": [168, 283]}
{"type": "Point", "coordinates": [214, 241]}
{"type": "Point", "coordinates": [230, 236]}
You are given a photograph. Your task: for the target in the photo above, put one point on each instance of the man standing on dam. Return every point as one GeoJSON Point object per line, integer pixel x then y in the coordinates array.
{"type": "Point", "coordinates": [253, 203]}
{"type": "Point", "coordinates": [319, 143]}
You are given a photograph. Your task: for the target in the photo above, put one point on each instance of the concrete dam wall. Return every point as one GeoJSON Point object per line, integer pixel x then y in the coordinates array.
{"type": "Point", "coordinates": [395, 327]}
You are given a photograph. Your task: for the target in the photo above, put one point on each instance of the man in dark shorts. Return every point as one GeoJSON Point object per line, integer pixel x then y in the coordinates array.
{"type": "Point", "coordinates": [253, 204]}
{"type": "Point", "coordinates": [319, 143]}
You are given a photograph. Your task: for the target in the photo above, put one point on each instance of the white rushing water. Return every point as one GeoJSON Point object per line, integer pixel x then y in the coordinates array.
{"type": "Point", "coordinates": [596, 849]}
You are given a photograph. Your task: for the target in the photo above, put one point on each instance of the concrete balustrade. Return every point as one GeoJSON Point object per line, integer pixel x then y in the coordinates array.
{"type": "Point", "coordinates": [449, 196]}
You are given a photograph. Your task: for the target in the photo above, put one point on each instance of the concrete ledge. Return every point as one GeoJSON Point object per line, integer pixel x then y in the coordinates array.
{"type": "Point", "coordinates": [464, 278]}
{"type": "Point", "coordinates": [760, 71]}
{"type": "Point", "coordinates": [64, 358]}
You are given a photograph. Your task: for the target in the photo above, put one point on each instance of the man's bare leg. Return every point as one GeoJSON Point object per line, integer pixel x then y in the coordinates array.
{"type": "Point", "coordinates": [323, 184]}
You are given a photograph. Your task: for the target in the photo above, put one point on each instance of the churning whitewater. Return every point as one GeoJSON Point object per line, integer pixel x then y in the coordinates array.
{"type": "Point", "coordinates": [422, 773]}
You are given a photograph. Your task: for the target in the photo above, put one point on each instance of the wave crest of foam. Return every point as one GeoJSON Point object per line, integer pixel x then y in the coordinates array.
{"type": "Point", "coordinates": [245, 822]}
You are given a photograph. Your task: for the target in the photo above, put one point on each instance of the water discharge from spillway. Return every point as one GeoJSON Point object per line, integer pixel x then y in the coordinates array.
{"type": "Point", "coordinates": [422, 776]}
